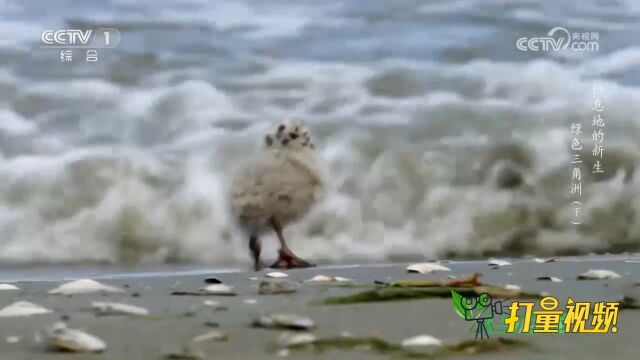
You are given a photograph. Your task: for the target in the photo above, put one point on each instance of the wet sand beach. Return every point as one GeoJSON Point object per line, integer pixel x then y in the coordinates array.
{"type": "Point", "coordinates": [176, 319]}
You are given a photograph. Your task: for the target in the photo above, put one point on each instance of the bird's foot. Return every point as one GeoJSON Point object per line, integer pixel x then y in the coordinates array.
{"type": "Point", "coordinates": [287, 260]}
{"type": "Point", "coordinates": [259, 266]}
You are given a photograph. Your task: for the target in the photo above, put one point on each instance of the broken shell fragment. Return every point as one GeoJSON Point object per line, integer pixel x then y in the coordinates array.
{"type": "Point", "coordinates": [549, 278]}
{"type": "Point", "coordinates": [426, 268]}
{"type": "Point", "coordinates": [23, 308]}
{"type": "Point", "coordinates": [276, 274]}
{"type": "Point", "coordinates": [61, 338]}
{"type": "Point", "coordinates": [512, 287]}
{"type": "Point", "coordinates": [84, 286]}
{"type": "Point", "coordinates": [277, 286]}
{"type": "Point", "coordinates": [499, 262]}
{"type": "Point", "coordinates": [327, 279]}
{"type": "Point", "coordinates": [185, 354]}
{"type": "Point", "coordinates": [599, 275]}
{"type": "Point", "coordinates": [13, 339]}
{"type": "Point", "coordinates": [421, 340]}
{"type": "Point", "coordinates": [218, 289]}
{"type": "Point", "coordinates": [8, 287]}
{"type": "Point", "coordinates": [215, 335]}
{"type": "Point", "coordinates": [106, 309]}
{"type": "Point", "coordinates": [284, 321]}
{"type": "Point", "coordinates": [289, 339]}
{"type": "Point", "coordinates": [283, 353]}
{"type": "Point", "coordinates": [211, 303]}
{"type": "Point", "coordinates": [215, 305]}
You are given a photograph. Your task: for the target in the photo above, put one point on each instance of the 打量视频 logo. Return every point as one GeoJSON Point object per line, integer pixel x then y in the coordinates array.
{"type": "Point", "coordinates": [490, 316]}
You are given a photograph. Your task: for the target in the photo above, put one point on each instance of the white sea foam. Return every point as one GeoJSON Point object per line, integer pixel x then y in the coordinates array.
{"type": "Point", "coordinates": [12, 124]}
{"type": "Point", "coordinates": [614, 63]}
{"type": "Point", "coordinates": [131, 204]}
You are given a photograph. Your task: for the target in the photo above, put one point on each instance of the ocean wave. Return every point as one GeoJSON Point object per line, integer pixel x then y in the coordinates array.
{"type": "Point", "coordinates": [426, 160]}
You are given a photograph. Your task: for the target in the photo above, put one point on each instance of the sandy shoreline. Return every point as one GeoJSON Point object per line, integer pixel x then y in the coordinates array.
{"type": "Point", "coordinates": [175, 320]}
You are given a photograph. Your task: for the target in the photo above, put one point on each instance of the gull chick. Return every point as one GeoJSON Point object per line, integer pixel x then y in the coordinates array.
{"type": "Point", "coordinates": [278, 186]}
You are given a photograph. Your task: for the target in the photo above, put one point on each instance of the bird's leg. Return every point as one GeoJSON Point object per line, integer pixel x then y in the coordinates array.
{"type": "Point", "coordinates": [255, 247]}
{"type": "Point", "coordinates": [286, 258]}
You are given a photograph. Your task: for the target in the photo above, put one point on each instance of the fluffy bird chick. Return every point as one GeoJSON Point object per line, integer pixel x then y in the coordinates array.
{"type": "Point", "coordinates": [278, 186]}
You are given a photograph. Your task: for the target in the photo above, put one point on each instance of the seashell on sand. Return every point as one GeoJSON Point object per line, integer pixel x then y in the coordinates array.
{"type": "Point", "coordinates": [107, 308]}
{"type": "Point", "coordinates": [283, 353]}
{"type": "Point", "coordinates": [186, 353]}
{"type": "Point", "coordinates": [426, 268]}
{"type": "Point", "coordinates": [23, 308]}
{"type": "Point", "coordinates": [276, 274]}
{"type": "Point", "coordinates": [277, 286]}
{"type": "Point", "coordinates": [420, 341]}
{"type": "Point", "coordinates": [214, 335]}
{"type": "Point", "coordinates": [513, 287]}
{"type": "Point", "coordinates": [321, 278]}
{"type": "Point", "coordinates": [218, 289]}
{"type": "Point", "coordinates": [327, 279]}
{"type": "Point", "coordinates": [499, 262]}
{"type": "Point", "coordinates": [599, 275]}
{"type": "Point", "coordinates": [61, 338]}
{"type": "Point", "coordinates": [212, 303]}
{"type": "Point", "coordinates": [290, 339]}
{"type": "Point", "coordinates": [285, 321]}
{"type": "Point", "coordinates": [84, 286]}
